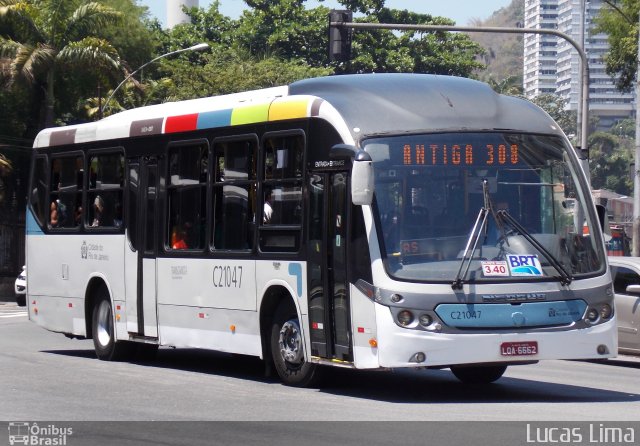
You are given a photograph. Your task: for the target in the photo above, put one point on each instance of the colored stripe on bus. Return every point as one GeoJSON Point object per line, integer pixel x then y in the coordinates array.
{"type": "Point", "coordinates": [146, 127]}
{"type": "Point", "coordinates": [62, 137]}
{"type": "Point", "coordinates": [218, 118]}
{"type": "Point", "coordinates": [33, 228]}
{"type": "Point", "coordinates": [288, 109]}
{"type": "Point", "coordinates": [250, 114]}
{"type": "Point", "coordinates": [183, 123]}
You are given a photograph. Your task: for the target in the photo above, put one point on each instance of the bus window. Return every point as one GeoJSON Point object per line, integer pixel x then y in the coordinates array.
{"type": "Point", "coordinates": [105, 194]}
{"type": "Point", "coordinates": [234, 194]}
{"type": "Point", "coordinates": [282, 192]}
{"type": "Point", "coordinates": [187, 193]}
{"type": "Point", "coordinates": [67, 178]}
{"type": "Point", "coordinates": [39, 190]}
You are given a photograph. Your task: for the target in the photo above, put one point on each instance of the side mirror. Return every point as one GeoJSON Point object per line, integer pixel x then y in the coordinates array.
{"type": "Point", "coordinates": [362, 184]}
{"type": "Point", "coordinates": [633, 289]}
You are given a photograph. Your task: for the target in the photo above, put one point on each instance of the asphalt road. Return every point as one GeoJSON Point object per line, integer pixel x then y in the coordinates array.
{"type": "Point", "coordinates": [49, 377]}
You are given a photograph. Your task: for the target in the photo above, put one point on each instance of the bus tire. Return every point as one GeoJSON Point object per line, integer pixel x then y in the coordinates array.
{"type": "Point", "coordinates": [103, 331]}
{"type": "Point", "coordinates": [484, 374]}
{"type": "Point", "coordinates": [287, 349]}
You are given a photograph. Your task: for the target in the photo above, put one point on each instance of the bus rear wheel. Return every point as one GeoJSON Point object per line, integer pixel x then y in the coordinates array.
{"type": "Point", "coordinates": [479, 374]}
{"type": "Point", "coordinates": [104, 340]}
{"type": "Point", "coordinates": [287, 349]}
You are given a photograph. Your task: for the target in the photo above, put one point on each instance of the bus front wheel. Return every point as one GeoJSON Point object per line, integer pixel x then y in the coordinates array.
{"type": "Point", "coordinates": [104, 340]}
{"type": "Point", "coordinates": [287, 349]}
{"type": "Point", "coordinates": [479, 374]}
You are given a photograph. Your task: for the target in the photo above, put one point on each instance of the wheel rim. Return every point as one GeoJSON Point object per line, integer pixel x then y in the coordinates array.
{"type": "Point", "coordinates": [290, 342]}
{"type": "Point", "coordinates": [104, 323]}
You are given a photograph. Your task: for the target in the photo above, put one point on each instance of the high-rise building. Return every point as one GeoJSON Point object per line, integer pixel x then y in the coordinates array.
{"type": "Point", "coordinates": [551, 64]}
{"type": "Point", "coordinates": [540, 51]}
{"type": "Point", "coordinates": [175, 15]}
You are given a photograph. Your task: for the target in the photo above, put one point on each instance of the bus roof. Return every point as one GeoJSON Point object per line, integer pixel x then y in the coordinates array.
{"type": "Point", "coordinates": [391, 103]}
{"type": "Point", "coordinates": [358, 105]}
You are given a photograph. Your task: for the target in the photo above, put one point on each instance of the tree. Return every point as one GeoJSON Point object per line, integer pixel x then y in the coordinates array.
{"type": "Point", "coordinates": [609, 162]}
{"type": "Point", "coordinates": [285, 28]}
{"type": "Point", "coordinates": [620, 22]}
{"type": "Point", "coordinates": [554, 105]}
{"type": "Point", "coordinates": [232, 70]}
{"type": "Point", "coordinates": [45, 37]}
{"type": "Point", "coordinates": [510, 85]}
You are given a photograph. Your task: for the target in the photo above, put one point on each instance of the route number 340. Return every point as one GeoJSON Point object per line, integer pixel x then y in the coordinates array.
{"type": "Point", "coordinates": [495, 268]}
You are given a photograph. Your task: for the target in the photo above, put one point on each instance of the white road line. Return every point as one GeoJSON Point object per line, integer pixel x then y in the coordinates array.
{"type": "Point", "coordinates": [8, 315]}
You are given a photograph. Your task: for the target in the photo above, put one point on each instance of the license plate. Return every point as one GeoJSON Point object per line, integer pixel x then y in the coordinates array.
{"type": "Point", "coordinates": [527, 348]}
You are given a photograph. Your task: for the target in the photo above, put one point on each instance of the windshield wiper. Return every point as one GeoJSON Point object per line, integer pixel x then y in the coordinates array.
{"type": "Point", "coordinates": [565, 277]}
{"type": "Point", "coordinates": [472, 242]}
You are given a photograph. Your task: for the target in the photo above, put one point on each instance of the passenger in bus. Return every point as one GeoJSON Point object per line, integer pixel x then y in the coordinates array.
{"type": "Point", "coordinates": [179, 237]}
{"type": "Point", "coordinates": [77, 215]}
{"type": "Point", "coordinates": [268, 209]}
{"type": "Point", "coordinates": [53, 214]}
{"type": "Point", "coordinates": [98, 212]}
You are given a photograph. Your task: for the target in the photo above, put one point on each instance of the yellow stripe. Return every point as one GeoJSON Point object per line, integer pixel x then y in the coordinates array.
{"type": "Point", "coordinates": [288, 109]}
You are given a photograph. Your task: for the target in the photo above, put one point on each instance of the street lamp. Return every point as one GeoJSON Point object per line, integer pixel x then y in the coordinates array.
{"type": "Point", "coordinates": [198, 47]}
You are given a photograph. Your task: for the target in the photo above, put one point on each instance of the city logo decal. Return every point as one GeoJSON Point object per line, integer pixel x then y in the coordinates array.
{"type": "Point", "coordinates": [524, 265]}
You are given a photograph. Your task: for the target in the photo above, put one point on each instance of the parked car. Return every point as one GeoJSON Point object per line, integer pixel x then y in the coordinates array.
{"type": "Point", "coordinates": [21, 288]}
{"type": "Point", "coordinates": [626, 286]}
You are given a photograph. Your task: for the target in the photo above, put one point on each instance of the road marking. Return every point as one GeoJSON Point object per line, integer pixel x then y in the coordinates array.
{"type": "Point", "coordinates": [16, 314]}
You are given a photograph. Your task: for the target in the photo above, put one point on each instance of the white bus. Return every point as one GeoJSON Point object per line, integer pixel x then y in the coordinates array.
{"type": "Point", "coordinates": [414, 221]}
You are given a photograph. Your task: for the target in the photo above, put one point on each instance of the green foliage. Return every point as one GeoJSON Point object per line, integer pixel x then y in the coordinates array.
{"type": "Point", "coordinates": [45, 38]}
{"type": "Point", "coordinates": [609, 160]}
{"type": "Point", "coordinates": [229, 71]}
{"type": "Point", "coordinates": [511, 85]}
{"type": "Point", "coordinates": [409, 51]}
{"type": "Point", "coordinates": [554, 106]}
{"type": "Point", "coordinates": [619, 20]}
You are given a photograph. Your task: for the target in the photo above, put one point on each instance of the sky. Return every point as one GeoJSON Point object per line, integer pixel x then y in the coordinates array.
{"type": "Point", "coordinates": [462, 11]}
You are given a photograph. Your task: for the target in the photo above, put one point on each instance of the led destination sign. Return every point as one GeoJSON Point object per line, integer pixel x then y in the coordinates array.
{"type": "Point", "coordinates": [460, 154]}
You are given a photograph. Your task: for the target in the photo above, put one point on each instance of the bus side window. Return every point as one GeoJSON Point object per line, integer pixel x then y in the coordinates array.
{"type": "Point", "coordinates": [187, 193]}
{"type": "Point", "coordinates": [281, 218]}
{"type": "Point", "coordinates": [67, 178]}
{"type": "Point", "coordinates": [234, 193]}
{"type": "Point", "coordinates": [105, 194]}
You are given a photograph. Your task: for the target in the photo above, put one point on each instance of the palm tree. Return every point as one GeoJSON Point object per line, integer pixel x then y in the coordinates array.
{"type": "Point", "coordinates": [134, 94]}
{"type": "Point", "coordinates": [40, 36]}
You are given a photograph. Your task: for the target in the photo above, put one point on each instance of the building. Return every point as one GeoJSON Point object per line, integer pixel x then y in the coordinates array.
{"type": "Point", "coordinates": [539, 74]}
{"type": "Point", "coordinates": [175, 15]}
{"type": "Point", "coordinates": [551, 65]}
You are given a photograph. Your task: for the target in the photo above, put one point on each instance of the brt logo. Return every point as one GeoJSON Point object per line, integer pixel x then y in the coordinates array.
{"type": "Point", "coordinates": [524, 265]}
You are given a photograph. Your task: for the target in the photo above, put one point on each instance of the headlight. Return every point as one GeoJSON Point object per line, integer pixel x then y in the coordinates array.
{"type": "Point", "coordinates": [592, 315]}
{"type": "Point", "coordinates": [405, 317]}
{"type": "Point", "coordinates": [606, 311]}
{"type": "Point", "coordinates": [425, 320]}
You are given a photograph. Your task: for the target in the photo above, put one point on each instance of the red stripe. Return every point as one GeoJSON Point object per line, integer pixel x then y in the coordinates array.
{"type": "Point", "coordinates": [184, 123]}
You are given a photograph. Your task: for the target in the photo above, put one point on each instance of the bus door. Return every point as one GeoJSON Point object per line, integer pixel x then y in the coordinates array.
{"type": "Point", "coordinates": [328, 251]}
{"type": "Point", "coordinates": [141, 301]}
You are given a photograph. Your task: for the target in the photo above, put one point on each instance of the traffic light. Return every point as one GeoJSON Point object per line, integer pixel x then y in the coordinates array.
{"type": "Point", "coordinates": [340, 36]}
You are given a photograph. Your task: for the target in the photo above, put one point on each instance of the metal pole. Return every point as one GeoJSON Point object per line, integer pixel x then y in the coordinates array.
{"type": "Point", "coordinates": [583, 126]}
{"type": "Point", "coordinates": [635, 243]}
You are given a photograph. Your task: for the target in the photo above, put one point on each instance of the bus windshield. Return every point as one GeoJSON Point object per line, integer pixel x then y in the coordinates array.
{"type": "Point", "coordinates": [505, 206]}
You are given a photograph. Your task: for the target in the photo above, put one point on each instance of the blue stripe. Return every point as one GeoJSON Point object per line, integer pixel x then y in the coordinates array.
{"type": "Point", "coordinates": [218, 118]}
{"type": "Point", "coordinates": [32, 226]}
{"type": "Point", "coordinates": [532, 314]}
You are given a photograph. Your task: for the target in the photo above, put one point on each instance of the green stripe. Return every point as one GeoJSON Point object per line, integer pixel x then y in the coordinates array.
{"type": "Point", "coordinates": [250, 114]}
